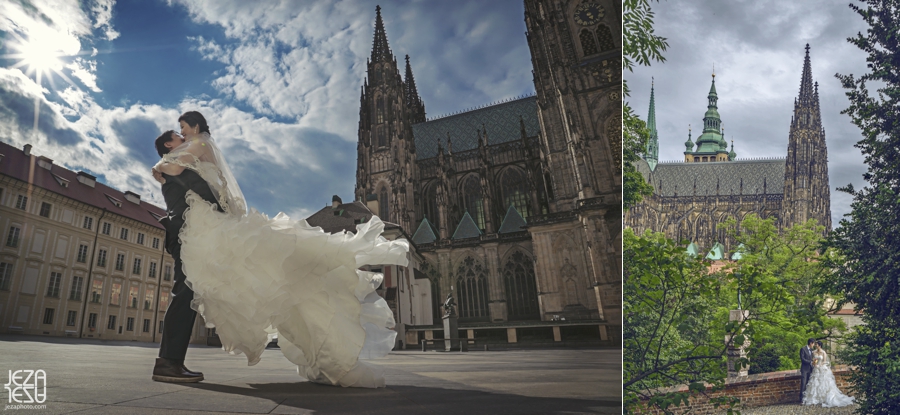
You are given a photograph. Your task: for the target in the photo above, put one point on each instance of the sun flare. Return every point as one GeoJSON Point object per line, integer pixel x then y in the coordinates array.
{"type": "Point", "coordinates": [38, 57]}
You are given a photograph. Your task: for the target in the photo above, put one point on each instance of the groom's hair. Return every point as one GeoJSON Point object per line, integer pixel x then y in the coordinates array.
{"type": "Point", "coordinates": [810, 341]}
{"type": "Point", "coordinates": [193, 118]}
{"type": "Point", "coordinates": [161, 142]}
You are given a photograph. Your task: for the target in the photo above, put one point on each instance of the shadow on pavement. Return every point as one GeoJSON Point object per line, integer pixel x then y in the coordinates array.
{"type": "Point", "coordinates": [410, 399]}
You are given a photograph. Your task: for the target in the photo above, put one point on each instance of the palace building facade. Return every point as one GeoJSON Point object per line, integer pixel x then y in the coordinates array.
{"type": "Point", "coordinates": [513, 208]}
{"type": "Point", "coordinates": [692, 198]}
{"type": "Point", "coordinates": [79, 258]}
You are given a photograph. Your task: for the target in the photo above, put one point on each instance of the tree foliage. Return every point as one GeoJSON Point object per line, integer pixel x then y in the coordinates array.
{"type": "Point", "coordinates": [640, 46]}
{"type": "Point", "coordinates": [676, 312]}
{"type": "Point", "coordinates": [868, 262]}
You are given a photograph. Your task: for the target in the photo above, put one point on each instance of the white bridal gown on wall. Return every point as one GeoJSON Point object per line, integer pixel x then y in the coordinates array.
{"type": "Point", "coordinates": [822, 388]}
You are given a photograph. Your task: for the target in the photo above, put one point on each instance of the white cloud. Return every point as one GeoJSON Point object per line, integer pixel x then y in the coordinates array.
{"type": "Point", "coordinates": [102, 10]}
{"type": "Point", "coordinates": [86, 72]}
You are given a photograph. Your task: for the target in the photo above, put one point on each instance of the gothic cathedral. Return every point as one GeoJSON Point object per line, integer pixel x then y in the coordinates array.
{"type": "Point", "coordinates": [691, 198]}
{"type": "Point", "coordinates": [514, 208]}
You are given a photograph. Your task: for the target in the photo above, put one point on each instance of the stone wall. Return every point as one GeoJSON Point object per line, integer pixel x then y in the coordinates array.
{"type": "Point", "coordinates": [762, 389]}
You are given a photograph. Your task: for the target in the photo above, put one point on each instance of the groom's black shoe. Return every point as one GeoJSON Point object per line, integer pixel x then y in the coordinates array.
{"type": "Point", "coordinates": [167, 370]}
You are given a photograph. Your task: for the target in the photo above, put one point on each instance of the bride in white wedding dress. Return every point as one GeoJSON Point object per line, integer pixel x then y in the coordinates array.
{"type": "Point", "coordinates": [822, 388]}
{"type": "Point", "coordinates": [254, 277]}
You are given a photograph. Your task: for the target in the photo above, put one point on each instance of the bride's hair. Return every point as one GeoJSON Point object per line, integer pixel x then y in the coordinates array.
{"type": "Point", "coordinates": [193, 118]}
{"type": "Point", "coordinates": [161, 142]}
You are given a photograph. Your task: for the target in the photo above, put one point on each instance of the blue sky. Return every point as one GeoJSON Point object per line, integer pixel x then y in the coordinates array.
{"type": "Point", "coordinates": [277, 81]}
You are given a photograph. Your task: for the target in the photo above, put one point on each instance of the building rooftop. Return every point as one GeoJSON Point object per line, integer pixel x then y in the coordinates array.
{"type": "Point", "coordinates": [41, 172]}
{"type": "Point", "coordinates": [748, 177]}
{"type": "Point", "coordinates": [500, 120]}
{"type": "Point", "coordinates": [344, 217]}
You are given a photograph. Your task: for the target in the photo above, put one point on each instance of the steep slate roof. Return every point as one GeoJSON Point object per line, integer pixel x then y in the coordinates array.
{"type": "Point", "coordinates": [669, 178]}
{"type": "Point", "coordinates": [501, 122]}
{"type": "Point", "coordinates": [512, 222]}
{"type": "Point", "coordinates": [343, 218]}
{"type": "Point", "coordinates": [466, 228]}
{"type": "Point", "coordinates": [424, 235]}
{"type": "Point", "coordinates": [16, 164]}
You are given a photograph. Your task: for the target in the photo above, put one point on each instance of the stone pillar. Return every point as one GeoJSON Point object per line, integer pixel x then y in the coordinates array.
{"type": "Point", "coordinates": [451, 330]}
{"type": "Point", "coordinates": [736, 352]}
{"type": "Point", "coordinates": [511, 335]}
{"type": "Point", "coordinates": [497, 294]}
{"type": "Point", "coordinates": [557, 336]}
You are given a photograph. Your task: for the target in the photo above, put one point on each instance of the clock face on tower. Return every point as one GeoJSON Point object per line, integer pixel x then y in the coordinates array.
{"type": "Point", "coordinates": [588, 14]}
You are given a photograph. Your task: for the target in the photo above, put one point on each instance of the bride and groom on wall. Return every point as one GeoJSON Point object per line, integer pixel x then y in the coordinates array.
{"type": "Point", "coordinates": [252, 277]}
{"type": "Point", "coordinates": [817, 383]}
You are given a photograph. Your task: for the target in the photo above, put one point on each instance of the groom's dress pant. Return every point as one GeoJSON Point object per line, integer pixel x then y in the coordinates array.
{"type": "Point", "coordinates": [179, 319]}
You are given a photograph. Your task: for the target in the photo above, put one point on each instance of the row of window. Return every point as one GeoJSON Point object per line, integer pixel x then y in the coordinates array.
{"type": "Point", "coordinates": [12, 240]}
{"type": "Point", "coordinates": [106, 228]}
{"type": "Point", "coordinates": [54, 285]}
{"type": "Point", "coordinates": [72, 317]}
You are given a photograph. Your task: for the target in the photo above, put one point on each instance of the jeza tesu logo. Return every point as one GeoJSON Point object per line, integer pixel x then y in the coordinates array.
{"type": "Point", "coordinates": [27, 386]}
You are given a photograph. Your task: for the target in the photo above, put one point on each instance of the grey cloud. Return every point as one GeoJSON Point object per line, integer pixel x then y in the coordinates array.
{"type": "Point", "coordinates": [757, 49]}
{"type": "Point", "coordinates": [17, 109]}
{"type": "Point", "coordinates": [136, 135]}
{"type": "Point", "coordinates": [269, 186]}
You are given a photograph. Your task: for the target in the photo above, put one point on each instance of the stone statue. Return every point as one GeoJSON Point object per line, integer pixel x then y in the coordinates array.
{"type": "Point", "coordinates": [448, 306]}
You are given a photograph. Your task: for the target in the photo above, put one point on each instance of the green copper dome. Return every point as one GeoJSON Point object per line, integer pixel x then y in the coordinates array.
{"type": "Point", "coordinates": [712, 141]}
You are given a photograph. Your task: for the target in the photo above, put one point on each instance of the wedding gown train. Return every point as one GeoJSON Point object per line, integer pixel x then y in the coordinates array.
{"type": "Point", "coordinates": [253, 277]}
{"type": "Point", "coordinates": [822, 388]}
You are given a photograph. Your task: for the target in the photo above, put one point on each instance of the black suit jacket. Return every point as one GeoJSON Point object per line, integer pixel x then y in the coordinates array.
{"type": "Point", "coordinates": [805, 359]}
{"type": "Point", "coordinates": [174, 191]}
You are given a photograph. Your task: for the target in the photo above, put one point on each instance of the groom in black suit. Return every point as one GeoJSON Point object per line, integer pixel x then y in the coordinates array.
{"type": "Point", "coordinates": [805, 365]}
{"type": "Point", "coordinates": [179, 319]}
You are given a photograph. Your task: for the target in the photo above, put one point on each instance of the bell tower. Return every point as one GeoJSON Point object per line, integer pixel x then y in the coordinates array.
{"type": "Point", "coordinates": [386, 152]}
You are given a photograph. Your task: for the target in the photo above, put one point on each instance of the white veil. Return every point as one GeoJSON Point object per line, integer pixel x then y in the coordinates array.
{"type": "Point", "coordinates": [201, 154]}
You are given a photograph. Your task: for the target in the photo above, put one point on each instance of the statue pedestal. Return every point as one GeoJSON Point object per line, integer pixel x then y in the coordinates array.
{"type": "Point", "coordinates": [451, 331]}
{"type": "Point", "coordinates": [736, 353]}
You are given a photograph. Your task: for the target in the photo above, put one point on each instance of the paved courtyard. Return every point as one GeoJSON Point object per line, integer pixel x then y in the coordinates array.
{"type": "Point", "coordinates": [114, 377]}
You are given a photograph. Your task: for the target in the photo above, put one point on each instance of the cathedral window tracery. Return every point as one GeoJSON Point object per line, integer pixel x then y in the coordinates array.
{"type": "Point", "coordinates": [472, 290]}
{"type": "Point", "coordinates": [588, 46]}
{"type": "Point", "coordinates": [430, 208]}
{"type": "Point", "coordinates": [472, 198]}
{"type": "Point", "coordinates": [383, 202]}
{"type": "Point", "coordinates": [514, 188]}
{"type": "Point", "coordinates": [606, 38]}
{"type": "Point", "coordinates": [521, 288]}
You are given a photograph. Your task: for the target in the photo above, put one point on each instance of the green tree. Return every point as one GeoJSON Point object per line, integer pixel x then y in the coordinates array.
{"type": "Point", "coordinates": [676, 312]}
{"type": "Point", "coordinates": [788, 296]}
{"type": "Point", "coordinates": [640, 46]}
{"type": "Point", "coordinates": [868, 264]}
{"type": "Point", "coordinates": [670, 335]}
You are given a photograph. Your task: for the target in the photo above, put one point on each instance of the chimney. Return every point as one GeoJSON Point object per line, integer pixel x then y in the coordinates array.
{"type": "Point", "coordinates": [132, 197]}
{"type": "Point", "coordinates": [335, 201]}
{"type": "Point", "coordinates": [27, 149]}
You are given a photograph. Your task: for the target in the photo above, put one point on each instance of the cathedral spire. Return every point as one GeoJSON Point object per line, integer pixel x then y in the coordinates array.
{"type": "Point", "coordinates": [413, 100]}
{"type": "Point", "coordinates": [806, 188]}
{"type": "Point", "coordinates": [380, 49]}
{"type": "Point", "coordinates": [652, 152]}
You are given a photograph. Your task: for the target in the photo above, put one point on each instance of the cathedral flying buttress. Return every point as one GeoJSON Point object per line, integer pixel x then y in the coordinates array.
{"type": "Point", "coordinates": [514, 207]}
{"type": "Point", "coordinates": [692, 198]}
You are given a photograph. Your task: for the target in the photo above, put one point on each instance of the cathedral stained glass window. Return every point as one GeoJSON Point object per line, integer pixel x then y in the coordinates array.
{"type": "Point", "coordinates": [472, 199]}
{"type": "Point", "coordinates": [521, 289]}
{"type": "Point", "coordinates": [588, 46]}
{"type": "Point", "coordinates": [472, 290]}
{"type": "Point", "coordinates": [379, 112]}
{"type": "Point", "coordinates": [514, 187]}
{"type": "Point", "coordinates": [431, 208]}
{"type": "Point", "coordinates": [383, 204]}
{"type": "Point", "coordinates": [604, 35]}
